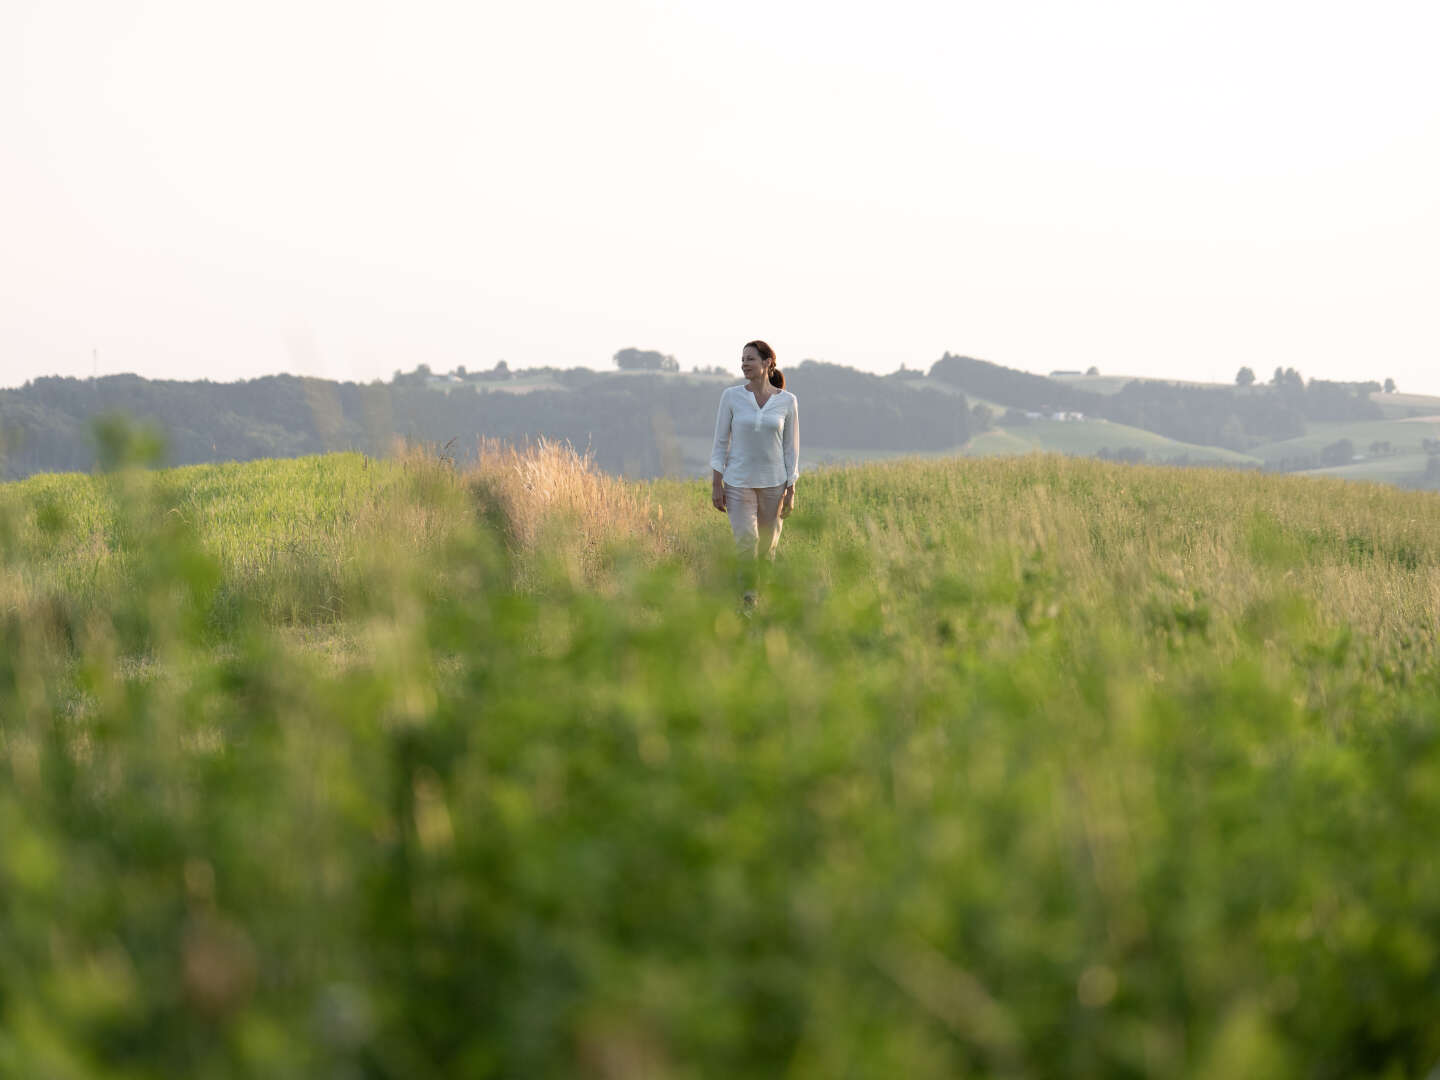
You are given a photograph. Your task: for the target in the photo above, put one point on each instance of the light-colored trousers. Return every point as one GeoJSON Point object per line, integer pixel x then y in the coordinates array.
{"type": "Point", "coordinates": [755, 518]}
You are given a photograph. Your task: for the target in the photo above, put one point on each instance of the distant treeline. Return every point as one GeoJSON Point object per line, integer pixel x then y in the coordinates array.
{"type": "Point", "coordinates": [1236, 418]}
{"type": "Point", "coordinates": [636, 422]}
{"type": "Point", "coordinates": [633, 423]}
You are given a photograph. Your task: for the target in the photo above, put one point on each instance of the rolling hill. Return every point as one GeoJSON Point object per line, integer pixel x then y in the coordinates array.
{"type": "Point", "coordinates": [646, 424]}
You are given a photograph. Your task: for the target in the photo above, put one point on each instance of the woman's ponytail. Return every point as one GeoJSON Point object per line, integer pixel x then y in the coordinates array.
{"type": "Point", "coordinates": [777, 379]}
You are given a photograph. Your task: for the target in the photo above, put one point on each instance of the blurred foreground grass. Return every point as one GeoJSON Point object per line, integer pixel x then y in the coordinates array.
{"type": "Point", "coordinates": [1027, 767]}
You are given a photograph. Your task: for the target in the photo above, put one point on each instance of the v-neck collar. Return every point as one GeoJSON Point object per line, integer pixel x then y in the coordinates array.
{"type": "Point", "coordinates": [760, 406]}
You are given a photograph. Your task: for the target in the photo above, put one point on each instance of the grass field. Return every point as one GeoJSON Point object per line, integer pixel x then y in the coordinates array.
{"type": "Point", "coordinates": [1405, 436]}
{"type": "Point", "coordinates": [1078, 437]}
{"type": "Point", "coordinates": [1087, 437]}
{"type": "Point", "coordinates": [1402, 405]}
{"type": "Point", "coordinates": [1399, 469]}
{"type": "Point", "coordinates": [695, 455]}
{"type": "Point", "coordinates": [1113, 384]}
{"type": "Point", "coordinates": [1393, 405]}
{"type": "Point", "coordinates": [1026, 766]}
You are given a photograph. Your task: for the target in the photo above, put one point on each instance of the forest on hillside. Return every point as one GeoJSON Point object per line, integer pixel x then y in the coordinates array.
{"type": "Point", "coordinates": [630, 422]}
{"type": "Point", "coordinates": [648, 419]}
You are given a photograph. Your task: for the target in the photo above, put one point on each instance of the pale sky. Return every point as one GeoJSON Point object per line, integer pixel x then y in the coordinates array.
{"type": "Point", "coordinates": [198, 189]}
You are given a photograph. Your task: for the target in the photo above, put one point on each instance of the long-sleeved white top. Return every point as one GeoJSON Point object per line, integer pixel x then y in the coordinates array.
{"type": "Point", "coordinates": [757, 447]}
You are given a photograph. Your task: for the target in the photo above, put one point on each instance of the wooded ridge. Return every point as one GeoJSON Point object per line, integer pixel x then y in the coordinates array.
{"type": "Point", "coordinates": [644, 422]}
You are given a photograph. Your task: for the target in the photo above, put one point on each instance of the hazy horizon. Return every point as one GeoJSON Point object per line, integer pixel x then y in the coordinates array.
{"type": "Point", "coordinates": [343, 191]}
{"type": "Point", "coordinates": [1261, 377]}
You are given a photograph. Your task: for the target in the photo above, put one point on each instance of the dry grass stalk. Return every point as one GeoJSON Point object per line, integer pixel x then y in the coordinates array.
{"type": "Point", "coordinates": [549, 493]}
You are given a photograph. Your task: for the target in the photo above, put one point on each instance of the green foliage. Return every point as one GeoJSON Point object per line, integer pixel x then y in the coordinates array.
{"type": "Point", "coordinates": [120, 444]}
{"type": "Point", "coordinates": [1023, 767]}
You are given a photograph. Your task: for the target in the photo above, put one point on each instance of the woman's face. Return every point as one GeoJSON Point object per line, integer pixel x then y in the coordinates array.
{"type": "Point", "coordinates": [752, 364]}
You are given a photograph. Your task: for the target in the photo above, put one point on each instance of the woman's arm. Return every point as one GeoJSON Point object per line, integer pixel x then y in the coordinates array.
{"type": "Point", "coordinates": [720, 452]}
{"type": "Point", "coordinates": [790, 439]}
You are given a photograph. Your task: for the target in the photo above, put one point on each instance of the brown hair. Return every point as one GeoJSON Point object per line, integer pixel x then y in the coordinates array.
{"type": "Point", "coordinates": [777, 379]}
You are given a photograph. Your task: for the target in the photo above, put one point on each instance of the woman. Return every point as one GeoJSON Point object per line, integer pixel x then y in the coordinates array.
{"type": "Point", "coordinates": [755, 460]}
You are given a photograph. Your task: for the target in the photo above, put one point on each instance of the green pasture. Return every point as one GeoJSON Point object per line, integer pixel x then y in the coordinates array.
{"type": "Point", "coordinates": [1113, 384]}
{"type": "Point", "coordinates": [518, 384]}
{"type": "Point", "coordinates": [1077, 437]}
{"type": "Point", "coordinates": [1402, 405]}
{"type": "Point", "coordinates": [940, 386]}
{"type": "Point", "coordinates": [1087, 437]}
{"type": "Point", "coordinates": [1025, 767]}
{"type": "Point", "coordinates": [694, 455]}
{"type": "Point", "coordinates": [1405, 436]}
{"type": "Point", "coordinates": [998, 442]}
{"type": "Point", "coordinates": [1401, 469]}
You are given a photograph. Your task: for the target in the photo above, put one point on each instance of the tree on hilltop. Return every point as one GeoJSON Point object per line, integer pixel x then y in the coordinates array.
{"type": "Point", "coordinates": [645, 360]}
{"type": "Point", "coordinates": [1288, 379]}
{"type": "Point", "coordinates": [1389, 386]}
{"type": "Point", "coordinates": [1245, 377]}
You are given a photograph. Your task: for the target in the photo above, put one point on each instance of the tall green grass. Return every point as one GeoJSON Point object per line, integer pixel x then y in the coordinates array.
{"type": "Point", "coordinates": [1023, 767]}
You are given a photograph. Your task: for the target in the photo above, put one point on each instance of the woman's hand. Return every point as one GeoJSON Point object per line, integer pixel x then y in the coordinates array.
{"type": "Point", "coordinates": [787, 501]}
{"type": "Point", "coordinates": [717, 495]}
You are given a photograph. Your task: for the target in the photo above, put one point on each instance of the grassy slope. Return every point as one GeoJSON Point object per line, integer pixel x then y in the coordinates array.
{"type": "Point", "coordinates": [1079, 437]}
{"type": "Point", "coordinates": [524, 383]}
{"type": "Point", "coordinates": [1403, 435]}
{"type": "Point", "coordinates": [1402, 469]}
{"type": "Point", "coordinates": [695, 455]}
{"type": "Point", "coordinates": [1401, 405]}
{"type": "Point", "coordinates": [1090, 436]}
{"type": "Point", "coordinates": [1399, 428]}
{"type": "Point", "coordinates": [1397, 404]}
{"type": "Point", "coordinates": [1113, 384]}
{"type": "Point", "coordinates": [1082, 438]}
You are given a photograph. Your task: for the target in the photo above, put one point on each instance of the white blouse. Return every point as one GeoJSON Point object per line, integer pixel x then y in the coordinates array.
{"type": "Point", "coordinates": [757, 447]}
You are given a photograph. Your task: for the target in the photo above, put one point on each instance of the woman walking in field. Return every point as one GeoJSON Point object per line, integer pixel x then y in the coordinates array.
{"type": "Point", "coordinates": [756, 457]}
